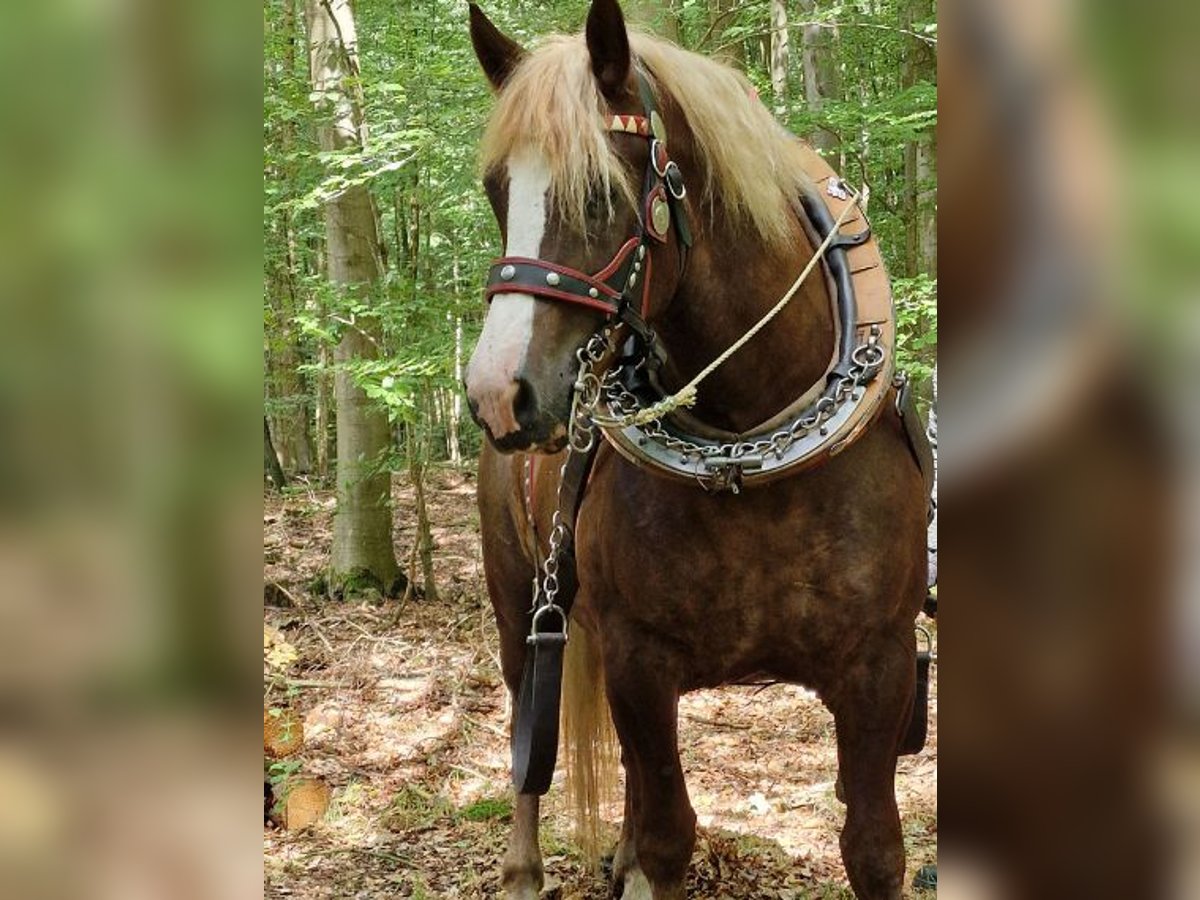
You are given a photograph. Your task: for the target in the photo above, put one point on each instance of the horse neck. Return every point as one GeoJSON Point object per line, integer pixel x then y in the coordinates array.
{"type": "Point", "coordinates": [732, 278]}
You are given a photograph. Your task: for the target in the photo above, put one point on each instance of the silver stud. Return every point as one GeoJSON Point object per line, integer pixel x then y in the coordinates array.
{"type": "Point", "coordinates": [592, 292]}
{"type": "Point", "coordinates": [552, 278]}
{"type": "Point", "coordinates": [642, 251]}
{"type": "Point", "coordinates": [637, 267]}
{"type": "Point", "coordinates": [508, 273]}
{"type": "Point", "coordinates": [633, 279]}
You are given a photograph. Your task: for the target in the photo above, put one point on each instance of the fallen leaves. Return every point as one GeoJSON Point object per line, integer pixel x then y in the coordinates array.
{"type": "Point", "coordinates": [405, 726]}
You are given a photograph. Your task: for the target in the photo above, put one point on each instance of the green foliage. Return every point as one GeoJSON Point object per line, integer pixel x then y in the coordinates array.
{"type": "Point", "coordinates": [279, 775]}
{"type": "Point", "coordinates": [916, 324]}
{"type": "Point", "coordinates": [425, 102]}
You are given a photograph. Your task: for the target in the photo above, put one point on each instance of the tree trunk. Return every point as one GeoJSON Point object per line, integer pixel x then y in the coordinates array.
{"type": "Point", "coordinates": [821, 77]}
{"type": "Point", "coordinates": [918, 64]}
{"type": "Point", "coordinates": [424, 537]}
{"type": "Point", "coordinates": [456, 456]}
{"type": "Point", "coordinates": [363, 555]}
{"type": "Point", "coordinates": [290, 418]}
{"type": "Point", "coordinates": [927, 202]}
{"type": "Point", "coordinates": [779, 57]}
{"type": "Point", "coordinates": [454, 430]}
{"type": "Point", "coordinates": [271, 459]}
{"type": "Point", "coordinates": [324, 408]}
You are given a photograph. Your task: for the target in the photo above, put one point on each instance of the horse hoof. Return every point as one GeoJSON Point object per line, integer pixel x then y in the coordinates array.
{"type": "Point", "coordinates": [634, 886]}
{"type": "Point", "coordinates": [523, 889]}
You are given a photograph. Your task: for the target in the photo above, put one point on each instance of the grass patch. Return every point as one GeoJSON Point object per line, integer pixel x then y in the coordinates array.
{"type": "Point", "coordinates": [487, 809]}
{"type": "Point", "coordinates": [414, 807]}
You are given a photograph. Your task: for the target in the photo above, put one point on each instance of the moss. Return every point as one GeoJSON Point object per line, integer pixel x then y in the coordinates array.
{"type": "Point", "coordinates": [352, 584]}
{"type": "Point", "coordinates": [487, 808]}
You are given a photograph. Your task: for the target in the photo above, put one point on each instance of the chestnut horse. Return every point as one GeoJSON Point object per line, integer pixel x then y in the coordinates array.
{"type": "Point", "coordinates": [814, 580]}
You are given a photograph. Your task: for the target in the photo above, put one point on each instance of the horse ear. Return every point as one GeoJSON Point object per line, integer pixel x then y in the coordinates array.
{"type": "Point", "coordinates": [608, 44]}
{"type": "Point", "coordinates": [498, 53]}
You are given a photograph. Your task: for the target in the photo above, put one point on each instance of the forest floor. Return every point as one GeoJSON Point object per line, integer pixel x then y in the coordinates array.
{"type": "Point", "coordinates": [404, 718]}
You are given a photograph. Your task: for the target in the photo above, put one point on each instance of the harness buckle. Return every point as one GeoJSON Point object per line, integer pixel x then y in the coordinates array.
{"type": "Point", "coordinates": [751, 462]}
{"type": "Point", "coordinates": [537, 636]}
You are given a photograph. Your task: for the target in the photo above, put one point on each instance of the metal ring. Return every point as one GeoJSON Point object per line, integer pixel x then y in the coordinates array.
{"type": "Point", "coordinates": [654, 145]}
{"type": "Point", "coordinates": [573, 440]}
{"type": "Point", "coordinates": [867, 355]}
{"type": "Point", "coordinates": [666, 176]}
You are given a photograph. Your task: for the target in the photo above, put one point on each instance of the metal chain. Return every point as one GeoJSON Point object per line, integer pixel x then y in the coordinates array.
{"type": "Point", "coordinates": [581, 438]}
{"type": "Point", "coordinates": [590, 390]}
{"type": "Point", "coordinates": [867, 359]}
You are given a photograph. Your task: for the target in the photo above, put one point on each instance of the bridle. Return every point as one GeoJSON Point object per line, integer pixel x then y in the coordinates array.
{"type": "Point", "coordinates": [614, 289]}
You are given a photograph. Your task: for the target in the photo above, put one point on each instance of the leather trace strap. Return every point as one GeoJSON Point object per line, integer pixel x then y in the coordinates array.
{"type": "Point", "coordinates": [621, 289]}
{"type": "Point", "coordinates": [535, 729]}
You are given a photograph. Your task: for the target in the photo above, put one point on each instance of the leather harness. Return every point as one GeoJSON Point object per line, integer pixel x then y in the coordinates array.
{"type": "Point", "coordinates": [852, 261]}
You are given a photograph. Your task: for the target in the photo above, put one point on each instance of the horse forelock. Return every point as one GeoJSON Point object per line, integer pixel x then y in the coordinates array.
{"type": "Point", "coordinates": [552, 102]}
{"type": "Point", "coordinates": [552, 106]}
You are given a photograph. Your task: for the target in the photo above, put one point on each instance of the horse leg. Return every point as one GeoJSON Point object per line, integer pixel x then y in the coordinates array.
{"type": "Point", "coordinates": [509, 573]}
{"type": "Point", "coordinates": [521, 869]}
{"type": "Point", "coordinates": [871, 710]}
{"type": "Point", "coordinates": [662, 825]}
{"type": "Point", "coordinates": [625, 857]}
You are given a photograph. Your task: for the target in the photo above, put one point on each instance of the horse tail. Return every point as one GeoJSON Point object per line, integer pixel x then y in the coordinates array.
{"type": "Point", "coordinates": [589, 740]}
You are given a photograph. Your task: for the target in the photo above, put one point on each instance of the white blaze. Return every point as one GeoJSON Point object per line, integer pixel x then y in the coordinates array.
{"type": "Point", "coordinates": [509, 324]}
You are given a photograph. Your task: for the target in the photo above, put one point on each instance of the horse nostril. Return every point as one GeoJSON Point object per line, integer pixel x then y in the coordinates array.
{"type": "Point", "coordinates": [525, 404]}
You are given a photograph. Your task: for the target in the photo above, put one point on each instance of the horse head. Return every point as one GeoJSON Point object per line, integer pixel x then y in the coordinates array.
{"type": "Point", "coordinates": [563, 160]}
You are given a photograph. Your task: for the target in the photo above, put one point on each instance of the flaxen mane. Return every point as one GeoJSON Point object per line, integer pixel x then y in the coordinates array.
{"type": "Point", "coordinates": [553, 102]}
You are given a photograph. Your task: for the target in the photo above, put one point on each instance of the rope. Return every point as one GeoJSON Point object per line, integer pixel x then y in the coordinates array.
{"type": "Point", "coordinates": [686, 395]}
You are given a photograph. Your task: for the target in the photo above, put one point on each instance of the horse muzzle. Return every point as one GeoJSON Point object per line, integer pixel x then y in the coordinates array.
{"type": "Point", "coordinates": [509, 412]}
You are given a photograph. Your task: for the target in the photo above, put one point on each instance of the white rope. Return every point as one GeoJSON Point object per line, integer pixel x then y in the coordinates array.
{"type": "Point", "coordinates": [686, 395]}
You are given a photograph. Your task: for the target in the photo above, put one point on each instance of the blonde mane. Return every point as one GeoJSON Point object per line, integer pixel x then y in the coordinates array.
{"type": "Point", "coordinates": [552, 102]}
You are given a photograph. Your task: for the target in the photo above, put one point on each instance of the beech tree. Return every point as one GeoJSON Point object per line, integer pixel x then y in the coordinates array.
{"type": "Point", "coordinates": [362, 531]}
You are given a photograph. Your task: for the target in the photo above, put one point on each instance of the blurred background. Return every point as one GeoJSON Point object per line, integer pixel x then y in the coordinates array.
{"type": "Point", "coordinates": [131, 379]}
{"type": "Point", "coordinates": [1067, 283]}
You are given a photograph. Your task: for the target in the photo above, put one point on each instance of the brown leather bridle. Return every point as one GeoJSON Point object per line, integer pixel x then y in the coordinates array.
{"type": "Point", "coordinates": [613, 290]}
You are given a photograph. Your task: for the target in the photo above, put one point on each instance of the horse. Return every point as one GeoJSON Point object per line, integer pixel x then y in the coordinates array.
{"type": "Point", "coordinates": [815, 579]}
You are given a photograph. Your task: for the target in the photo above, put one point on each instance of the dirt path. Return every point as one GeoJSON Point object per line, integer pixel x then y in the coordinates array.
{"type": "Point", "coordinates": [404, 718]}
